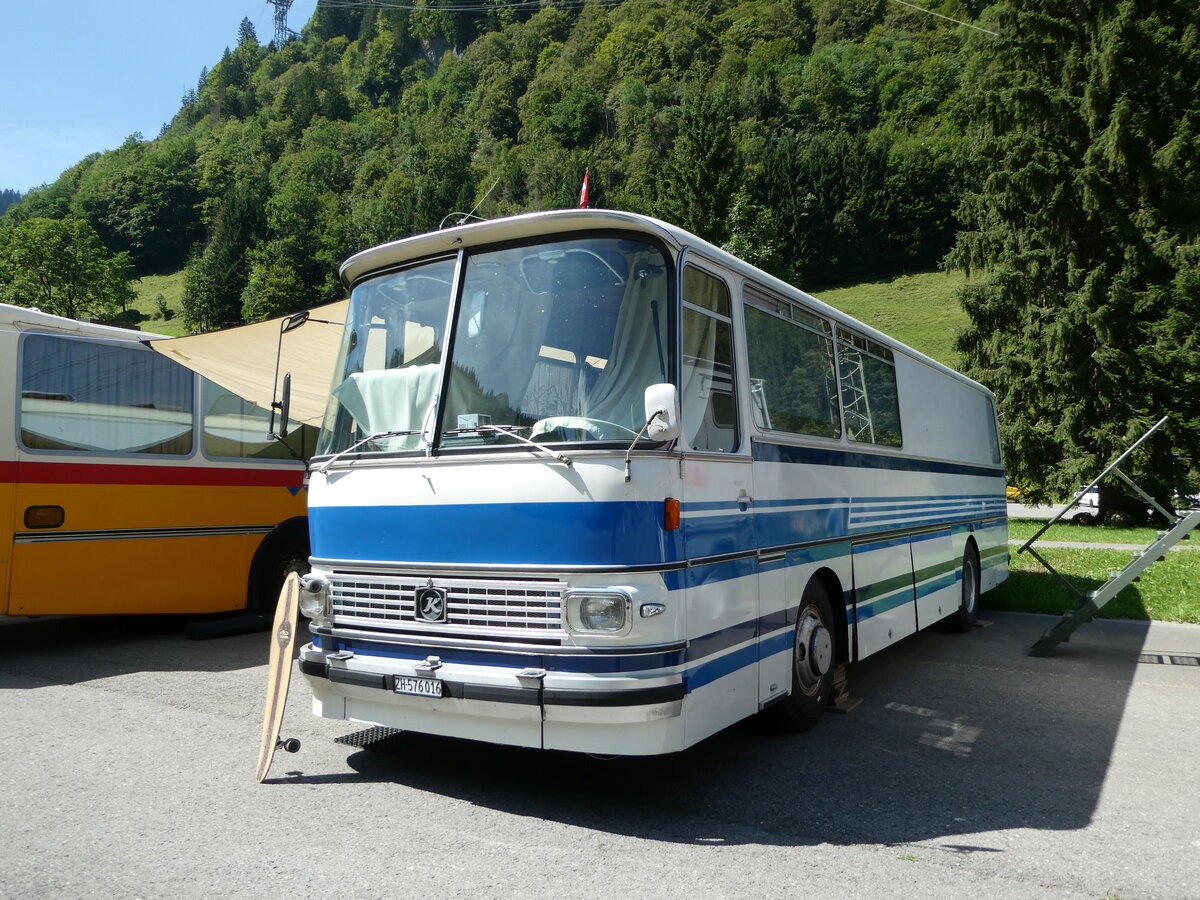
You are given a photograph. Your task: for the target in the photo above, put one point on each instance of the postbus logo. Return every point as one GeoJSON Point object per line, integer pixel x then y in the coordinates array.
{"type": "Point", "coordinates": [431, 604]}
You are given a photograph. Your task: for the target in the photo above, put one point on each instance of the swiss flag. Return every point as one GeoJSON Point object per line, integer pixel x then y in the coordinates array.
{"type": "Point", "coordinates": [583, 192]}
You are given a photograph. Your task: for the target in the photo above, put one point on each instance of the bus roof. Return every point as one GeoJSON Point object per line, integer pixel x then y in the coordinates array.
{"type": "Point", "coordinates": [18, 318]}
{"type": "Point", "coordinates": [529, 225]}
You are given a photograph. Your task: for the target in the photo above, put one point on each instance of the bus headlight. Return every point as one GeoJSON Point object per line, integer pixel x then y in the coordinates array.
{"type": "Point", "coordinates": [597, 612]}
{"type": "Point", "coordinates": [314, 599]}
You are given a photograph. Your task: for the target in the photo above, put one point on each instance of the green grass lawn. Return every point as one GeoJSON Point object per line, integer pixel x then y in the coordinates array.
{"type": "Point", "coordinates": [919, 310]}
{"type": "Point", "coordinates": [1024, 529]}
{"type": "Point", "coordinates": [170, 287]}
{"type": "Point", "coordinates": [1168, 590]}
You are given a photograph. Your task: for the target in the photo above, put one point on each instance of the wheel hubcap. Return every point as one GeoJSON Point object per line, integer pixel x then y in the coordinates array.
{"type": "Point", "coordinates": [814, 651]}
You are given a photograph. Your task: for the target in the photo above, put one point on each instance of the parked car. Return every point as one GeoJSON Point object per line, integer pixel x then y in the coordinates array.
{"type": "Point", "coordinates": [1087, 510]}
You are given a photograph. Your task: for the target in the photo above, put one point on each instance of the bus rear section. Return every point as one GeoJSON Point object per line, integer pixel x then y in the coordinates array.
{"type": "Point", "coordinates": [130, 485]}
{"type": "Point", "coordinates": [588, 483]}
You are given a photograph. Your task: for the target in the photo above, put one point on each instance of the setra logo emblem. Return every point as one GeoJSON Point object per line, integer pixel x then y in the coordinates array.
{"type": "Point", "coordinates": [431, 604]}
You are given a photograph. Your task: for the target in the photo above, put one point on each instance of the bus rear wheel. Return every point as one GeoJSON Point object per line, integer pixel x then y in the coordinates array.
{"type": "Point", "coordinates": [963, 618]}
{"type": "Point", "coordinates": [812, 663]}
{"type": "Point", "coordinates": [284, 556]}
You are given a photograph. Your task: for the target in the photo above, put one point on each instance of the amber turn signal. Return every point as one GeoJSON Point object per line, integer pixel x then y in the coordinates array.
{"type": "Point", "coordinates": [44, 516]}
{"type": "Point", "coordinates": [670, 514]}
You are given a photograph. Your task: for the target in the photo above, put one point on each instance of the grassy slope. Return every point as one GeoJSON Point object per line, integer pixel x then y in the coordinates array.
{"type": "Point", "coordinates": [1166, 590]}
{"type": "Point", "coordinates": [148, 288]}
{"type": "Point", "coordinates": [919, 310]}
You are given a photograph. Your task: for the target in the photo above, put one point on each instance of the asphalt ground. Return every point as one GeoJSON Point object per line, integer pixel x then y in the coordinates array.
{"type": "Point", "coordinates": [968, 770]}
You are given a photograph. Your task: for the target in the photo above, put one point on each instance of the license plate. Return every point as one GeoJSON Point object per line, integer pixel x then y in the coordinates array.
{"type": "Point", "coordinates": [422, 687]}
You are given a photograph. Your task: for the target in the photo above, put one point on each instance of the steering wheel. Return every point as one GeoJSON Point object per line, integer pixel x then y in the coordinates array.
{"type": "Point", "coordinates": [596, 429]}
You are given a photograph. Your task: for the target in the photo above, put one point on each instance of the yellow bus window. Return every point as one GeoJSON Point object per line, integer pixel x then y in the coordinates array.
{"type": "Point", "coordinates": [103, 398]}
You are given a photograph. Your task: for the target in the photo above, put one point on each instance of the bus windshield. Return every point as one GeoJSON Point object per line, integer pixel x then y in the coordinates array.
{"type": "Point", "coordinates": [555, 342]}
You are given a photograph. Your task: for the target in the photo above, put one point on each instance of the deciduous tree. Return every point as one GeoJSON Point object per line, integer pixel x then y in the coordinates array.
{"type": "Point", "coordinates": [60, 266]}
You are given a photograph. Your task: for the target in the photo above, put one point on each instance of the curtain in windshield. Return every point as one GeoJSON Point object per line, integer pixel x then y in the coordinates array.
{"type": "Point", "coordinates": [557, 342]}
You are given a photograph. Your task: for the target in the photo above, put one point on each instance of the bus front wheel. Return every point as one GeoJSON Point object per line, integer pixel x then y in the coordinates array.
{"type": "Point", "coordinates": [812, 663]}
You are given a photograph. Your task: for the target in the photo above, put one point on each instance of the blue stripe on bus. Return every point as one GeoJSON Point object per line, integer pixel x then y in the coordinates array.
{"type": "Point", "coordinates": [541, 534]}
{"type": "Point", "coordinates": [869, 546]}
{"type": "Point", "coordinates": [932, 587]}
{"type": "Point", "coordinates": [810, 501]}
{"type": "Point", "coordinates": [776, 643]}
{"type": "Point", "coordinates": [860, 459]}
{"type": "Point", "coordinates": [585, 534]}
{"type": "Point", "coordinates": [708, 672]}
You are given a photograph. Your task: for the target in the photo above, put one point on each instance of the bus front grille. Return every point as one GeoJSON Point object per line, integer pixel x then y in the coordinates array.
{"type": "Point", "coordinates": [473, 606]}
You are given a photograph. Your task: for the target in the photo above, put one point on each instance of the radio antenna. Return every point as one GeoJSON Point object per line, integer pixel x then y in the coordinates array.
{"type": "Point", "coordinates": [471, 214]}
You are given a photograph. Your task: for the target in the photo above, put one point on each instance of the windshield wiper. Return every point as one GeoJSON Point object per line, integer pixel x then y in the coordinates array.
{"type": "Point", "coordinates": [324, 467]}
{"type": "Point", "coordinates": [511, 432]}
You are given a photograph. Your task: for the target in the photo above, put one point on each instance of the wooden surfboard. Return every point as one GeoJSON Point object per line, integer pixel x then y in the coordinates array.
{"type": "Point", "coordinates": [279, 672]}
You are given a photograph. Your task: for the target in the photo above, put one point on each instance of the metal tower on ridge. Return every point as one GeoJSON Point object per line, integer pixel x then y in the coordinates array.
{"type": "Point", "coordinates": [281, 27]}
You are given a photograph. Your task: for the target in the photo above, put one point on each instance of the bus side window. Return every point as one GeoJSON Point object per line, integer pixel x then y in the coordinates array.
{"type": "Point", "coordinates": [237, 429]}
{"type": "Point", "coordinates": [95, 396]}
{"type": "Point", "coordinates": [793, 381]}
{"type": "Point", "coordinates": [709, 407]}
{"type": "Point", "coordinates": [869, 398]}
{"type": "Point", "coordinates": [989, 429]}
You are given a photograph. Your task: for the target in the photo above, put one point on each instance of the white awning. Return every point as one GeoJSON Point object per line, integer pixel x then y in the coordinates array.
{"type": "Point", "coordinates": [242, 359]}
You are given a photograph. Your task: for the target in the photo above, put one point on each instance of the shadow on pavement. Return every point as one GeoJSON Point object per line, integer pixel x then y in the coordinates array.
{"type": "Point", "coordinates": [74, 649]}
{"type": "Point", "coordinates": [956, 735]}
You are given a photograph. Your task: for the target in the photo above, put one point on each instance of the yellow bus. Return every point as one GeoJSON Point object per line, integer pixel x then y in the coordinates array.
{"type": "Point", "coordinates": [129, 484]}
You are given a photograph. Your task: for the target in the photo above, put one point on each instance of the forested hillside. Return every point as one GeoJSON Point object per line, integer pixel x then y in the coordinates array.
{"type": "Point", "coordinates": [819, 138]}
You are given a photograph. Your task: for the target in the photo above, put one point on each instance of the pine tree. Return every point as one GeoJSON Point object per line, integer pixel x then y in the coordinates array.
{"type": "Point", "coordinates": [1083, 230]}
{"type": "Point", "coordinates": [701, 169]}
{"type": "Point", "coordinates": [216, 276]}
{"type": "Point", "coordinates": [246, 33]}
{"type": "Point", "coordinates": [7, 198]}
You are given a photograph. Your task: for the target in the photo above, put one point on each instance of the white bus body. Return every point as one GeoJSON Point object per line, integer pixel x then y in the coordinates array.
{"type": "Point", "coordinates": [516, 559]}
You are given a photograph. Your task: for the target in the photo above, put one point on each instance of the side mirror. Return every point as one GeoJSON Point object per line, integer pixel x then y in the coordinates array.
{"type": "Point", "coordinates": [294, 321]}
{"type": "Point", "coordinates": [662, 412]}
{"type": "Point", "coordinates": [283, 405]}
{"type": "Point", "coordinates": [286, 324]}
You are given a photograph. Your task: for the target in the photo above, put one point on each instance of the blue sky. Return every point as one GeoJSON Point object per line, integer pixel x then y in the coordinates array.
{"type": "Point", "coordinates": [82, 75]}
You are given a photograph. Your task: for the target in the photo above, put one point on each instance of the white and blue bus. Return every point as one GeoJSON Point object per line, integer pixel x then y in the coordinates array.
{"type": "Point", "coordinates": [587, 482]}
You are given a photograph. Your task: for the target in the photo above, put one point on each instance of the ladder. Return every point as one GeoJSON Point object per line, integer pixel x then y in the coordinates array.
{"type": "Point", "coordinates": [1090, 603]}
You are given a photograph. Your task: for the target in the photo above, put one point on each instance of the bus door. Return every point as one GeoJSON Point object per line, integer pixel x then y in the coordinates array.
{"type": "Point", "coordinates": [884, 599]}
{"type": "Point", "coordinates": [718, 528]}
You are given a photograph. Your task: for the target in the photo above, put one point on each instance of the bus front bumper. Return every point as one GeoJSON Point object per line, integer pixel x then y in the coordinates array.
{"type": "Point", "coordinates": [536, 708]}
